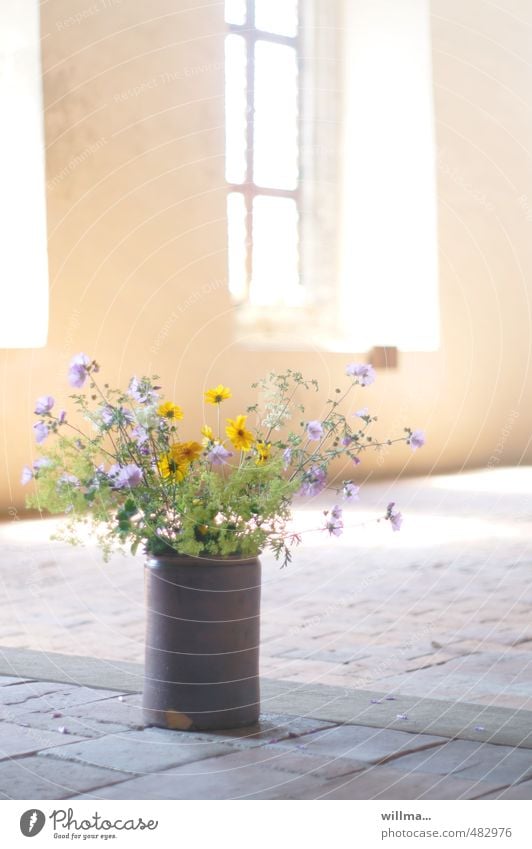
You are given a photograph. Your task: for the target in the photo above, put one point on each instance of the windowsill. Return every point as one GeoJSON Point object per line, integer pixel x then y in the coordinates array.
{"type": "Point", "coordinates": [303, 329]}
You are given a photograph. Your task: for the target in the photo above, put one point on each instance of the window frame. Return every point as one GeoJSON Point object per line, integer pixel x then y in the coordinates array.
{"type": "Point", "coordinates": [248, 188]}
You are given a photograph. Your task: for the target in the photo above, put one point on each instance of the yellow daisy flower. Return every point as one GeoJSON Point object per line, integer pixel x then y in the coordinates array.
{"type": "Point", "coordinates": [241, 439]}
{"type": "Point", "coordinates": [186, 452]}
{"type": "Point", "coordinates": [170, 411]}
{"type": "Point", "coordinates": [170, 468]}
{"type": "Point", "coordinates": [216, 396]}
{"type": "Point", "coordinates": [207, 432]}
{"type": "Point", "coordinates": [263, 452]}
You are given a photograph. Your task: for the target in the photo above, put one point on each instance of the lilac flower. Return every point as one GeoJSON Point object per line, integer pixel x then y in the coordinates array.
{"type": "Point", "coordinates": [397, 520]}
{"type": "Point", "coordinates": [107, 414]}
{"type": "Point", "coordinates": [395, 517]}
{"type": "Point", "coordinates": [287, 458]}
{"type": "Point", "coordinates": [142, 390]}
{"type": "Point", "coordinates": [357, 461]}
{"type": "Point", "coordinates": [78, 371]}
{"type": "Point", "coordinates": [347, 440]}
{"type": "Point", "coordinates": [139, 434]}
{"type": "Point", "coordinates": [70, 480]}
{"type": "Point", "coordinates": [41, 463]}
{"type": "Point", "coordinates": [43, 405]}
{"type": "Point", "coordinates": [218, 455]}
{"type": "Point", "coordinates": [128, 477]}
{"type": "Point", "coordinates": [314, 431]}
{"type": "Point", "coordinates": [41, 431]}
{"type": "Point", "coordinates": [313, 481]}
{"type": "Point", "coordinates": [350, 491]}
{"type": "Point", "coordinates": [364, 372]}
{"type": "Point", "coordinates": [335, 525]}
{"type": "Point", "coordinates": [125, 415]}
{"type": "Point", "coordinates": [363, 413]}
{"type": "Point", "coordinates": [26, 476]}
{"type": "Point", "coordinates": [417, 440]}
{"type": "Point", "coordinates": [61, 419]}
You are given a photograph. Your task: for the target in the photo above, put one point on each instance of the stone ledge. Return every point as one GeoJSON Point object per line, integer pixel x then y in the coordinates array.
{"type": "Point", "coordinates": [451, 719]}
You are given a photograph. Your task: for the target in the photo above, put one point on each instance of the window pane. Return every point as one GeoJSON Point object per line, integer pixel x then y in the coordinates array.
{"type": "Point", "coordinates": [235, 11]}
{"type": "Point", "coordinates": [278, 16]}
{"type": "Point", "coordinates": [275, 252]}
{"type": "Point", "coordinates": [236, 226]}
{"type": "Point", "coordinates": [235, 109]}
{"type": "Point", "coordinates": [276, 135]}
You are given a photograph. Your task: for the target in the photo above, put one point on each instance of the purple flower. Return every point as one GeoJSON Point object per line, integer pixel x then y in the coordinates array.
{"type": "Point", "coordinates": [364, 372]}
{"type": "Point", "coordinates": [347, 440]}
{"type": "Point", "coordinates": [26, 476]}
{"type": "Point", "coordinates": [313, 481]}
{"type": "Point", "coordinates": [350, 491]}
{"type": "Point", "coordinates": [70, 480]}
{"type": "Point", "coordinates": [335, 525]}
{"type": "Point", "coordinates": [115, 415]}
{"type": "Point", "coordinates": [395, 517]}
{"type": "Point", "coordinates": [314, 431]}
{"type": "Point", "coordinates": [78, 371]}
{"type": "Point", "coordinates": [139, 434]}
{"type": "Point", "coordinates": [43, 405]}
{"type": "Point", "coordinates": [357, 461]}
{"type": "Point", "coordinates": [41, 431]}
{"type": "Point", "coordinates": [41, 463]}
{"type": "Point", "coordinates": [107, 414]}
{"type": "Point", "coordinates": [417, 440]}
{"type": "Point", "coordinates": [142, 391]}
{"type": "Point", "coordinates": [61, 419]}
{"type": "Point", "coordinates": [128, 477]}
{"type": "Point", "coordinates": [287, 458]}
{"type": "Point", "coordinates": [218, 455]}
{"type": "Point", "coordinates": [363, 413]}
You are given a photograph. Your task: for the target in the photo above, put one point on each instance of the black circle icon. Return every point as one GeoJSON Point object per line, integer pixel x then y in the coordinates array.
{"type": "Point", "coordinates": [32, 822]}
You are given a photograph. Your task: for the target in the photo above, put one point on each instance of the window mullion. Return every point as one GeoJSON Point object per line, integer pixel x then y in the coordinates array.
{"type": "Point", "coordinates": [248, 188]}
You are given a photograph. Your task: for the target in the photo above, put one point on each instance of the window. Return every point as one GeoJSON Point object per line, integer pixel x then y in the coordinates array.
{"type": "Point", "coordinates": [23, 270]}
{"type": "Point", "coordinates": [262, 60]}
{"type": "Point", "coordinates": [388, 289]}
{"type": "Point", "coordinates": [330, 165]}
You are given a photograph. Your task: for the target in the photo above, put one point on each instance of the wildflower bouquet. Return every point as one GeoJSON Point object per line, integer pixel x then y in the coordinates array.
{"type": "Point", "coordinates": [137, 475]}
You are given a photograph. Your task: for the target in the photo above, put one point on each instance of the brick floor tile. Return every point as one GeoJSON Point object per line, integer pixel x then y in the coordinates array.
{"type": "Point", "coordinates": [139, 752]}
{"type": "Point", "coordinates": [45, 778]}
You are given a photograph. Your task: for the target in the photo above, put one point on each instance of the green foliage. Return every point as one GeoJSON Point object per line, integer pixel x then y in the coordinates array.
{"type": "Point", "coordinates": [132, 480]}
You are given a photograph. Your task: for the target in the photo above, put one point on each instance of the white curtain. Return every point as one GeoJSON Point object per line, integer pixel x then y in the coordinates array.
{"type": "Point", "coordinates": [23, 239]}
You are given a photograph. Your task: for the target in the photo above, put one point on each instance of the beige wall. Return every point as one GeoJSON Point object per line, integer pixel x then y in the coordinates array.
{"type": "Point", "coordinates": [134, 123]}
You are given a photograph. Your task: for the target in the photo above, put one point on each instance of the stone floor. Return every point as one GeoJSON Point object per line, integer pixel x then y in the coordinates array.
{"type": "Point", "coordinates": [440, 609]}
{"type": "Point", "coordinates": [67, 741]}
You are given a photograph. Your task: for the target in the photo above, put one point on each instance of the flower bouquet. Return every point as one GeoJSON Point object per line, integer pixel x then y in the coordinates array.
{"type": "Point", "coordinates": [203, 506]}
